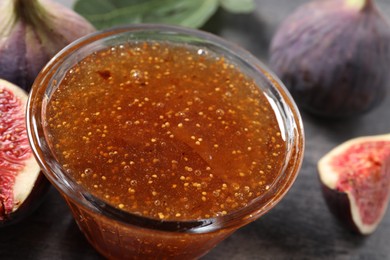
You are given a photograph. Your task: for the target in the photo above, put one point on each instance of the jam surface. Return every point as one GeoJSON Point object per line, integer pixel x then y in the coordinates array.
{"type": "Point", "coordinates": [166, 131]}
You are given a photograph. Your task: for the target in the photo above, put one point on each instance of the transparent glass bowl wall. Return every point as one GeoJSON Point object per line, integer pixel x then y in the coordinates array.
{"type": "Point", "coordinates": [117, 234]}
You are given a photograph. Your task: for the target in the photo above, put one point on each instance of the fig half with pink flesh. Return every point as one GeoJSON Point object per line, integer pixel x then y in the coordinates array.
{"type": "Point", "coordinates": [355, 178]}
{"type": "Point", "coordinates": [22, 185]}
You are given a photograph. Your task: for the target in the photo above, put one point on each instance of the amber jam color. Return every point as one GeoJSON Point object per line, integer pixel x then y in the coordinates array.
{"type": "Point", "coordinates": [164, 131]}
{"type": "Point", "coordinates": [163, 148]}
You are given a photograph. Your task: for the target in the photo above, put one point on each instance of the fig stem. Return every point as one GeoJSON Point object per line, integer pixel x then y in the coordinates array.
{"type": "Point", "coordinates": [30, 11]}
{"type": "Point", "coordinates": [361, 5]}
{"type": "Point", "coordinates": [368, 5]}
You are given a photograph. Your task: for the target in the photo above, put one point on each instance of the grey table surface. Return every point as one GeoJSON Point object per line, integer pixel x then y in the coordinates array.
{"type": "Point", "coordinates": [299, 227]}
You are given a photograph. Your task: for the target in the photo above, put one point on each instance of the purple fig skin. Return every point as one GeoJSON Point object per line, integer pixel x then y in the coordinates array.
{"type": "Point", "coordinates": [15, 67]}
{"type": "Point", "coordinates": [333, 58]}
{"type": "Point", "coordinates": [339, 205]}
{"type": "Point", "coordinates": [31, 203]}
{"type": "Point", "coordinates": [31, 33]}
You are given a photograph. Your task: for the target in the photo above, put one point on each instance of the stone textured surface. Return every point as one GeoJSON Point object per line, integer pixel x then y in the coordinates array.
{"type": "Point", "coordinates": [300, 227]}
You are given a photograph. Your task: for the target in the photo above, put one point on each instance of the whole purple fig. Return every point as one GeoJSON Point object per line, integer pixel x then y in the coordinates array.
{"type": "Point", "coordinates": [31, 33]}
{"type": "Point", "coordinates": [334, 56]}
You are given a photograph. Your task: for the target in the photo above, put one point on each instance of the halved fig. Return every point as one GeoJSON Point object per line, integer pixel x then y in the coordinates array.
{"type": "Point", "coordinates": [355, 178]}
{"type": "Point", "coordinates": [21, 184]}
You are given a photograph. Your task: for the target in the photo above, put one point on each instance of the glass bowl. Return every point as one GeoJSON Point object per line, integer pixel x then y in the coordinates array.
{"type": "Point", "coordinates": [118, 234]}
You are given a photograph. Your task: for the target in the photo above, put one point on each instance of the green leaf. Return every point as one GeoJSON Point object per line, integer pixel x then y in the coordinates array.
{"type": "Point", "coordinates": [238, 6]}
{"type": "Point", "coordinates": [108, 13]}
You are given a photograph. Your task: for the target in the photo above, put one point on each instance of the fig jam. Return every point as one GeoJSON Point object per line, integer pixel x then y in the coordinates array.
{"type": "Point", "coordinates": [165, 131]}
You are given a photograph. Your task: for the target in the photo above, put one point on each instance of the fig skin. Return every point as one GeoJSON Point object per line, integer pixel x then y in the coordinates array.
{"type": "Point", "coordinates": [31, 33]}
{"type": "Point", "coordinates": [333, 56]}
{"type": "Point", "coordinates": [30, 204]}
{"type": "Point", "coordinates": [18, 167]}
{"type": "Point", "coordinates": [369, 165]}
{"type": "Point", "coordinates": [339, 205]}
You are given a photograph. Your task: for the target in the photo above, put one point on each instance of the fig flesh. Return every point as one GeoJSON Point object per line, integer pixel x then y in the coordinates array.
{"type": "Point", "coordinates": [31, 33]}
{"type": "Point", "coordinates": [22, 185]}
{"type": "Point", "coordinates": [355, 178]}
{"type": "Point", "coordinates": [333, 56]}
